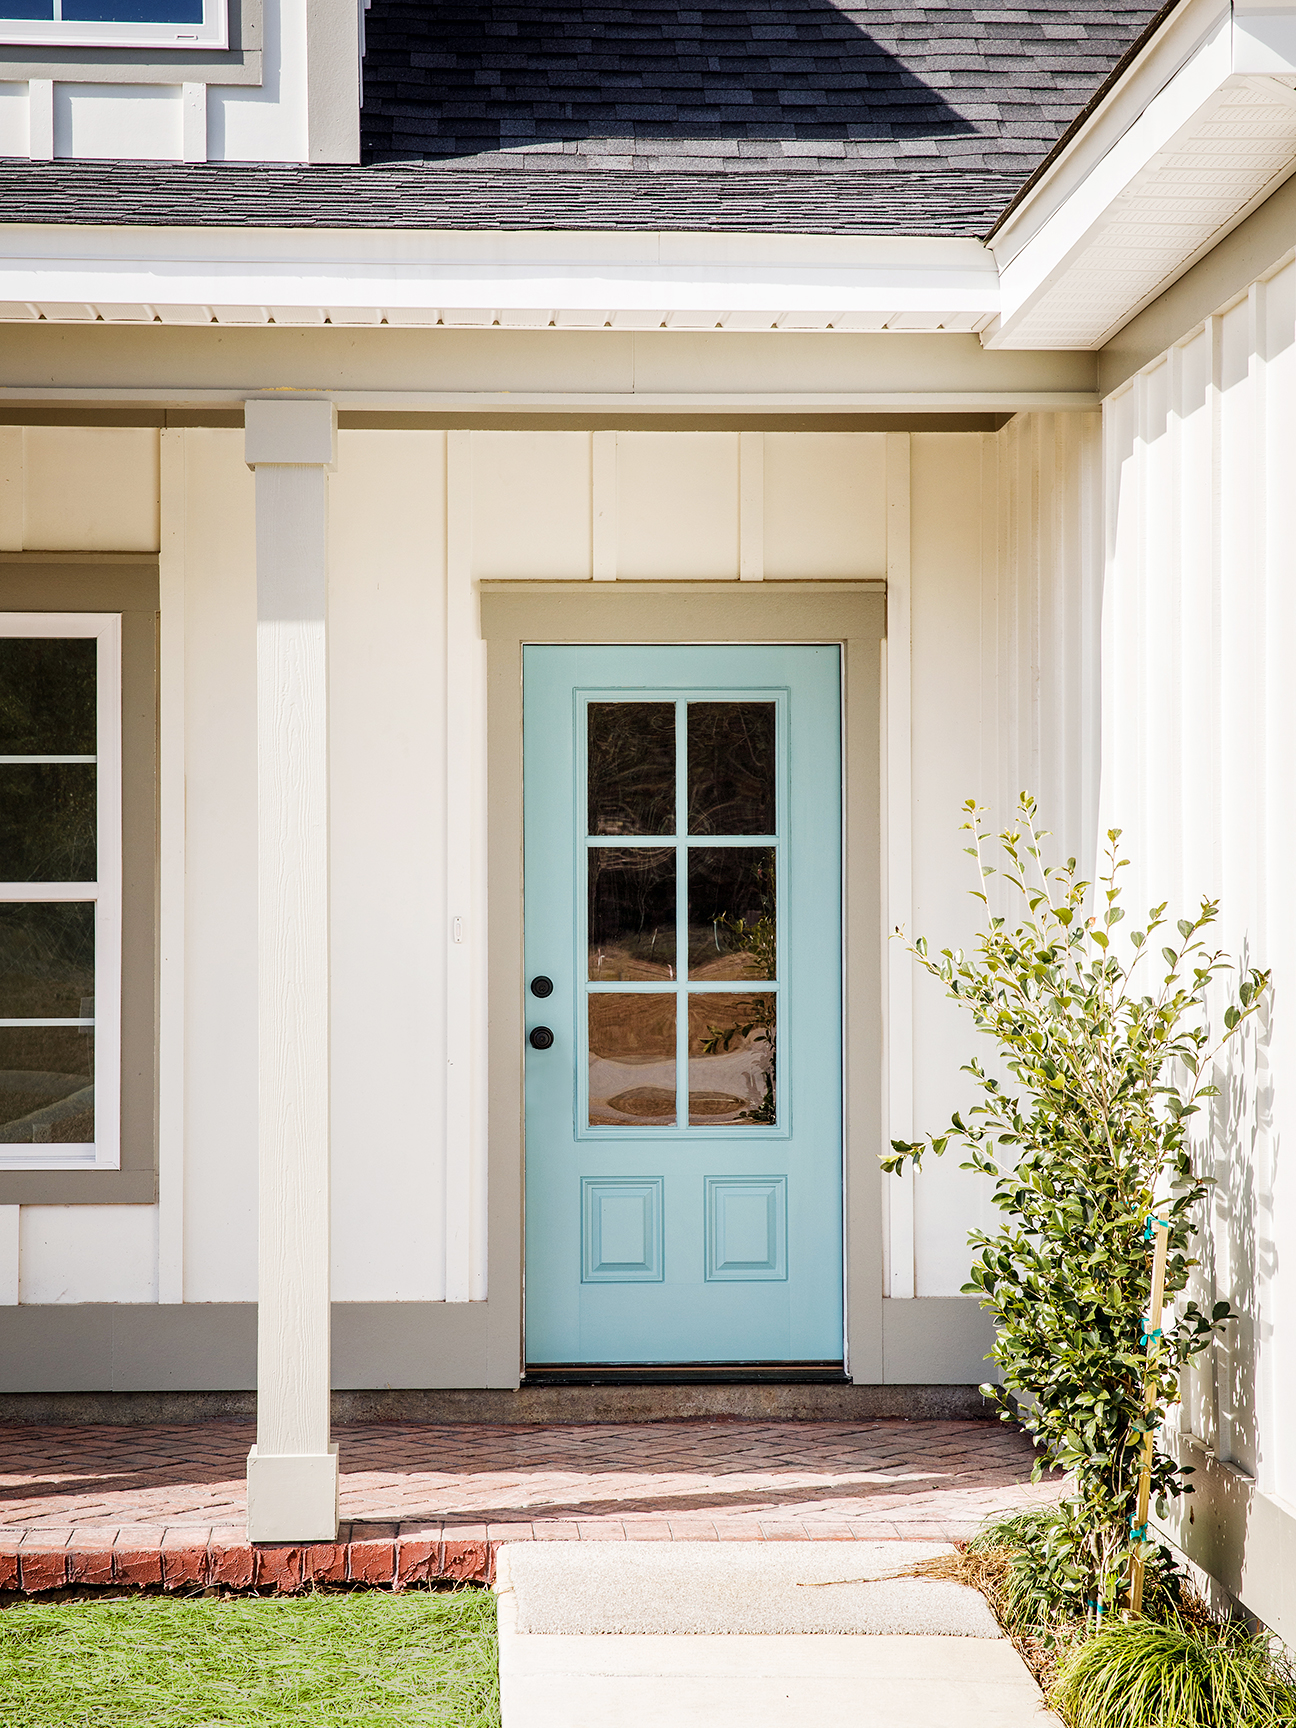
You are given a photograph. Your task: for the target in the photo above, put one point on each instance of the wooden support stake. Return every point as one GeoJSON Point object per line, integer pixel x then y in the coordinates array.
{"type": "Point", "coordinates": [1152, 1326]}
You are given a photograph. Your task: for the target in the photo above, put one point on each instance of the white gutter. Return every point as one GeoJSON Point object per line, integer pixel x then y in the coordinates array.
{"type": "Point", "coordinates": [576, 281]}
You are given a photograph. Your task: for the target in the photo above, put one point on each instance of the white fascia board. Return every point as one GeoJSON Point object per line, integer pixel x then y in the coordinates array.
{"type": "Point", "coordinates": [310, 270]}
{"type": "Point", "coordinates": [1153, 182]}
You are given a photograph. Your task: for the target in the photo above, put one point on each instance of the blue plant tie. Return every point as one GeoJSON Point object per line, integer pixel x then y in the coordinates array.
{"type": "Point", "coordinates": [1138, 1531]}
{"type": "Point", "coordinates": [1146, 1336]}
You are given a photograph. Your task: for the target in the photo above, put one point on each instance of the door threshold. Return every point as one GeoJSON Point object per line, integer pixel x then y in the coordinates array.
{"type": "Point", "coordinates": [686, 1374]}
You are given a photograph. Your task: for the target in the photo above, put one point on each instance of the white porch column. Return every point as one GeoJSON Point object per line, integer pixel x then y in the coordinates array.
{"type": "Point", "coordinates": [292, 1469]}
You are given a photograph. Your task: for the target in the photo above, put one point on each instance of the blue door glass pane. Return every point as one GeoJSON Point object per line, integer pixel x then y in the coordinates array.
{"type": "Point", "coordinates": [39, 9]}
{"type": "Point", "coordinates": [131, 11]}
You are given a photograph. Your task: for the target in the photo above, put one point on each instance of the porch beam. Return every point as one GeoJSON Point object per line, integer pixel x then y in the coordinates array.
{"type": "Point", "coordinates": [292, 1471]}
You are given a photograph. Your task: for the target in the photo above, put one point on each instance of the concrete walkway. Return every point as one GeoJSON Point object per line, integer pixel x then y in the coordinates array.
{"type": "Point", "coordinates": [733, 1635]}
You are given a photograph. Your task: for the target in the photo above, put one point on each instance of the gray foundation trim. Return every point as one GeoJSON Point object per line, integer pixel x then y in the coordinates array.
{"type": "Point", "coordinates": [936, 1339]}
{"type": "Point", "coordinates": [529, 1405]}
{"type": "Point", "coordinates": [406, 1351]}
{"type": "Point", "coordinates": [1244, 1538]}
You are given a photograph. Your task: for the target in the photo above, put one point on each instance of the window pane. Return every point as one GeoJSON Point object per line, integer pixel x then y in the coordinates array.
{"type": "Point", "coordinates": [47, 822]}
{"type": "Point", "coordinates": [46, 1085]}
{"type": "Point", "coordinates": [731, 1060]}
{"type": "Point", "coordinates": [731, 767]}
{"type": "Point", "coordinates": [631, 912]}
{"type": "Point", "coordinates": [731, 912]}
{"type": "Point", "coordinates": [41, 9]}
{"type": "Point", "coordinates": [631, 1061]}
{"type": "Point", "coordinates": [47, 684]}
{"type": "Point", "coordinates": [133, 11]}
{"type": "Point", "coordinates": [47, 961]}
{"type": "Point", "coordinates": [632, 768]}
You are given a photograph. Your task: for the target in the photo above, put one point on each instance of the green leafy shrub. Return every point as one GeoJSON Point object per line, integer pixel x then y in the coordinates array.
{"type": "Point", "coordinates": [1104, 1053]}
{"type": "Point", "coordinates": [1137, 1674]}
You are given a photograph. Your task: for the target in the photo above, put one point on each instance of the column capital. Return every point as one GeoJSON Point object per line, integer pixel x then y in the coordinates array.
{"type": "Point", "coordinates": [289, 434]}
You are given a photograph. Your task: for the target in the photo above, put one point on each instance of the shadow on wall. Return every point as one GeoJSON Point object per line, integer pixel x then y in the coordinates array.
{"type": "Point", "coordinates": [1220, 1393]}
{"type": "Point", "coordinates": [449, 79]}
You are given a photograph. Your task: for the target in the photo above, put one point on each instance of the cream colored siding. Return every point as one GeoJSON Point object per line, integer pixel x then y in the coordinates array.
{"type": "Point", "coordinates": [824, 504]}
{"type": "Point", "coordinates": [1006, 578]}
{"type": "Point", "coordinates": [1004, 628]}
{"type": "Point", "coordinates": [522, 479]}
{"type": "Point", "coordinates": [677, 505]}
{"type": "Point", "coordinates": [78, 488]}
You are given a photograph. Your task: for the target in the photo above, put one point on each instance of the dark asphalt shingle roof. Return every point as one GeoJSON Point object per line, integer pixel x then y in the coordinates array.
{"type": "Point", "coordinates": [809, 116]}
{"type": "Point", "coordinates": [739, 87]}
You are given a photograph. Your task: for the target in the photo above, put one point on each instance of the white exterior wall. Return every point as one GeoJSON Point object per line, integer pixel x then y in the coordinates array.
{"type": "Point", "coordinates": [1006, 591]}
{"type": "Point", "coordinates": [1004, 535]}
{"type": "Point", "coordinates": [1198, 727]}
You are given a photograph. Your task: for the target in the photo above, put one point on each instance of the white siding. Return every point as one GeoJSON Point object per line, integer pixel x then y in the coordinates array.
{"type": "Point", "coordinates": [1199, 723]}
{"type": "Point", "coordinates": [1006, 575]}
{"type": "Point", "coordinates": [1005, 537]}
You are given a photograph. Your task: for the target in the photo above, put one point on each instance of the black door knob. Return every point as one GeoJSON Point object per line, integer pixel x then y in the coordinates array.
{"type": "Point", "coordinates": [542, 986]}
{"type": "Point", "coordinates": [541, 1037]}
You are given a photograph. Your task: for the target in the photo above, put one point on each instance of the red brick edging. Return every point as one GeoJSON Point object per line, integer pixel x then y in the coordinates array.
{"type": "Point", "coordinates": [386, 1555]}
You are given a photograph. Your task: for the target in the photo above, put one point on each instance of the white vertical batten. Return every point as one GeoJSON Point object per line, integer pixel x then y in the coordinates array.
{"type": "Point", "coordinates": [465, 1093]}
{"type": "Point", "coordinates": [751, 506]}
{"type": "Point", "coordinates": [171, 870]}
{"type": "Point", "coordinates": [898, 995]}
{"type": "Point", "coordinates": [9, 1260]}
{"type": "Point", "coordinates": [603, 491]}
{"type": "Point", "coordinates": [292, 1469]}
{"type": "Point", "coordinates": [40, 119]}
{"type": "Point", "coordinates": [193, 122]}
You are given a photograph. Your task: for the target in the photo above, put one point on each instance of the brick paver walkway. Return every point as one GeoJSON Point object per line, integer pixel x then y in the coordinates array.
{"type": "Point", "coordinates": [166, 1504]}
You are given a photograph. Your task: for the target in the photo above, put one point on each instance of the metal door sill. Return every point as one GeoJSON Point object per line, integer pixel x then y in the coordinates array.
{"type": "Point", "coordinates": [686, 1374]}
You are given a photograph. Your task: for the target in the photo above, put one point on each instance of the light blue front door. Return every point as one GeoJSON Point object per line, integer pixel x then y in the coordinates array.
{"type": "Point", "coordinates": [683, 971]}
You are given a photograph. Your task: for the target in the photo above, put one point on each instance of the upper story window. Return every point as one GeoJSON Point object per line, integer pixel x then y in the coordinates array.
{"type": "Point", "coordinates": [116, 23]}
{"type": "Point", "coordinates": [60, 890]}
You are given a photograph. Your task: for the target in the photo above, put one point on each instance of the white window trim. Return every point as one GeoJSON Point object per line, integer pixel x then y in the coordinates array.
{"type": "Point", "coordinates": [105, 1152]}
{"type": "Point", "coordinates": [213, 32]}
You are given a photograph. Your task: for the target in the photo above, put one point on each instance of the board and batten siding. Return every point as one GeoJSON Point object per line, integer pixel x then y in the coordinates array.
{"type": "Point", "coordinates": [998, 538]}
{"type": "Point", "coordinates": [1199, 728]}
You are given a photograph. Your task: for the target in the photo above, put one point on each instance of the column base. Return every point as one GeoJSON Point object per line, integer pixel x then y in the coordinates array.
{"type": "Point", "coordinates": [292, 1496]}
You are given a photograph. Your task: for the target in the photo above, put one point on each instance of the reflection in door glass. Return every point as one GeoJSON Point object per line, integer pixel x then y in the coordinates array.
{"type": "Point", "coordinates": [731, 912]}
{"type": "Point", "coordinates": [731, 768]}
{"type": "Point", "coordinates": [631, 768]}
{"type": "Point", "coordinates": [631, 1060]}
{"type": "Point", "coordinates": [731, 1059]}
{"type": "Point", "coordinates": [631, 912]}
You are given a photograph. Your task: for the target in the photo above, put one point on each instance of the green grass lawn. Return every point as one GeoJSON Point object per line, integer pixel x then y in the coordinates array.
{"type": "Point", "coordinates": [368, 1660]}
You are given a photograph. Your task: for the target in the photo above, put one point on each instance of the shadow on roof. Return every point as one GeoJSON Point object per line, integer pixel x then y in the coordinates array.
{"type": "Point", "coordinates": [445, 79]}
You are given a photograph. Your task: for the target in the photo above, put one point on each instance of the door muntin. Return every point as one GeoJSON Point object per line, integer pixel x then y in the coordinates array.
{"type": "Point", "coordinates": [678, 1031]}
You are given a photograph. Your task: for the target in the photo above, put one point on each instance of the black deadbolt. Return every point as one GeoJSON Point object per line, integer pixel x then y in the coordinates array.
{"type": "Point", "coordinates": [542, 986]}
{"type": "Point", "coordinates": [541, 1037]}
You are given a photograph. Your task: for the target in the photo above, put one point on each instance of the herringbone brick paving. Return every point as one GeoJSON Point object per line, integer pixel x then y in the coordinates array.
{"type": "Point", "coordinates": [101, 1504]}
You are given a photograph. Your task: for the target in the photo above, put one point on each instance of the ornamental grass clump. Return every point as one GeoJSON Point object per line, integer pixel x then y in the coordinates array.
{"type": "Point", "coordinates": [1103, 1056]}
{"type": "Point", "coordinates": [1178, 1675]}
